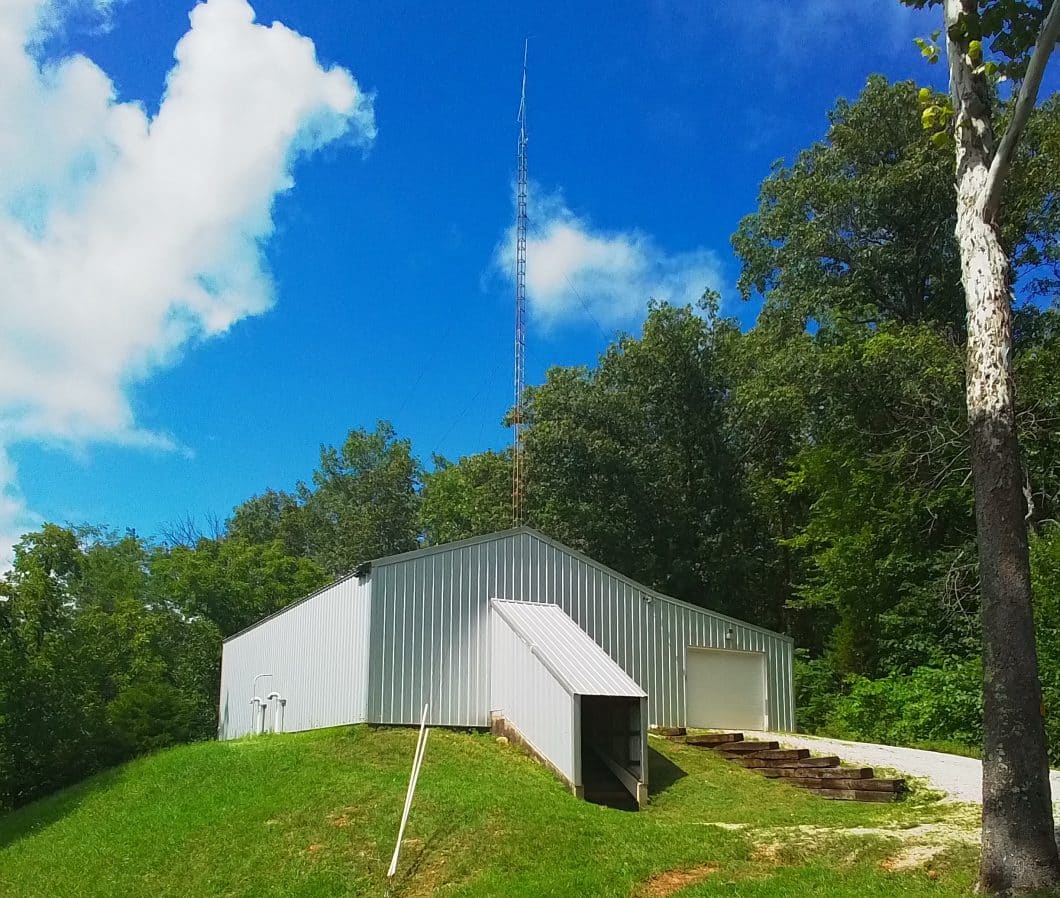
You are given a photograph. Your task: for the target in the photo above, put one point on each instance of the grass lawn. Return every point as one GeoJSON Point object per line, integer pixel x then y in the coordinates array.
{"type": "Point", "coordinates": [315, 814]}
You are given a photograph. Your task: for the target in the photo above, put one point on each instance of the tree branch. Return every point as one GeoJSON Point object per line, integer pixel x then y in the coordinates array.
{"type": "Point", "coordinates": [1025, 100]}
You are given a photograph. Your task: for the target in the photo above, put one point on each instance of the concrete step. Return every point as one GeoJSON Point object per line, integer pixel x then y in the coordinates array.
{"type": "Point", "coordinates": [774, 754]}
{"type": "Point", "coordinates": [744, 746]}
{"type": "Point", "coordinates": [855, 795]}
{"type": "Point", "coordinates": [712, 739]}
{"type": "Point", "coordinates": [849, 773]}
{"type": "Point", "coordinates": [799, 764]}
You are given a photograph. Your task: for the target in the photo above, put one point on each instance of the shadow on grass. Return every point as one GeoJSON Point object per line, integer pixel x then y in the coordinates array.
{"type": "Point", "coordinates": [422, 856]}
{"type": "Point", "coordinates": [38, 815]}
{"type": "Point", "coordinates": [662, 772]}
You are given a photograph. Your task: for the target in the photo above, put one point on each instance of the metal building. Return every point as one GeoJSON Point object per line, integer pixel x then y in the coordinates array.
{"type": "Point", "coordinates": [415, 628]}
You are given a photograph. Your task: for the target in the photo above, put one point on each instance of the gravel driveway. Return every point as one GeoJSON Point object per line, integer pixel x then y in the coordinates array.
{"type": "Point", "coordinates": [960, 778]}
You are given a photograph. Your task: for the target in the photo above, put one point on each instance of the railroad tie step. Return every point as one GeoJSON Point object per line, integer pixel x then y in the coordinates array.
{"type": "Point", "coordinates": [709, 740]}
{"type": "Point", "coordinates": [855, 795]}
{"type": "Point", "coordinates": [742, 746]}
{"type": "Point", "coordinates": [867, 785]}
{"type": "Point", "coordinates": [822, 776]}
{"type": "Point", "coordinates": [668, 732]}
{"type": "Point", "coordinates": [847, 773]}
{"type": "Point", "coordinates": [799, 764]}
{"type": "Point", "coordinates": [773, 754]}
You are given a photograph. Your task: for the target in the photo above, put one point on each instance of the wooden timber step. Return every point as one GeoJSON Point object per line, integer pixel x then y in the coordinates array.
{"type": "Point", "coordinates": [709, 740]}
{"type": "Point", "coordinates": [742, 747]}
{"type": "Point", "coordinates": [822, 776]}
{"type": "Point", "coordinates": [855, 795]}
{"type": "Point", "coordinates": [773, 754]}
{"type": "Point", "coordinates": [830, 761]}
{"type": "Point", "coordinates": [850, 773]}
{"type": "Point", "coordinates": [865, 785]}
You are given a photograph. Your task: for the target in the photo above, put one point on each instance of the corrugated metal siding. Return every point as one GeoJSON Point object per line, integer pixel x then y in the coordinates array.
{"type": "Point", "coordinates": [430, 629]}
{"type": "Point", "coordinates": [566, 649]}
{"type": "Point", "coordinates": [317, 652]}
{"type": "Point", "coordinates": [529, 696]}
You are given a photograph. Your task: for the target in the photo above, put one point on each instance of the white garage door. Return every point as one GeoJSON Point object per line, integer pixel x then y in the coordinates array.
{"type": "Point", "coordinates": [725, 689]}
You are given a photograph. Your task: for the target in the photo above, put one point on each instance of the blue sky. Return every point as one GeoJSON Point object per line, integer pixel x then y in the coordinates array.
{"type": "Point", "coordinates": [381, 293]}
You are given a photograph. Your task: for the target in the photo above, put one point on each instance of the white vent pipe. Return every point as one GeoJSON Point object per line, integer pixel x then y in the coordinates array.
{"type": "Point", "coordinates": [417, 762]}
{"type": "Point", "coordinates": [277, 714]}
{"type": "Point", "coordinates": [257, 720]}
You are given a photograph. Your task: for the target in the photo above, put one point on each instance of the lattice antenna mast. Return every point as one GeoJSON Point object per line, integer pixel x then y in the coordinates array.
{"type": "Point", "coordinates": [518, 461]}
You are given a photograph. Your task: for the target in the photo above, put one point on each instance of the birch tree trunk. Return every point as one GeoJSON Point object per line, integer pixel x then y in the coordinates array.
{"type": "Point", "coordinates": [1019, 846]}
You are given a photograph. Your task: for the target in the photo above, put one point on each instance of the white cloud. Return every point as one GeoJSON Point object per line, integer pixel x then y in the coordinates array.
{"type": "Point", "coordinates": [808, 30]}
{"type": "Point", "coordinates": [124, 237]}
{"type": "Point", "coordinates": [15, 518]}
{"type": "Point", "coordinates": [575, 271]}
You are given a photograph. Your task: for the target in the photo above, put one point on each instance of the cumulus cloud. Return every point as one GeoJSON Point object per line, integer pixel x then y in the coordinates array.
{"type": "Point", "coordinates": [574, 270]}
{"type": "Point", "coordinates": [123, 237]}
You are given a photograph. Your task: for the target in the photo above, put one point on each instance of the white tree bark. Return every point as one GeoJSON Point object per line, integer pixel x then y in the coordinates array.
{"type": "Point", "coordinates": [1019, 848]}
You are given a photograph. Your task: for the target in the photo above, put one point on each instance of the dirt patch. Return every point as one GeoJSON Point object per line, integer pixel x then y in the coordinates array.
{"type": "Point", "coordinates": [912, 857]}
{"type": "Point", "coordinates": [766, 853]}
{"type": "Point", "coordinates": [670, 881]}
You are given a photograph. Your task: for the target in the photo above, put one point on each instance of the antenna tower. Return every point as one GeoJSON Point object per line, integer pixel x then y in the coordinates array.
{"type": "Point", "coordinates": [518, 462]}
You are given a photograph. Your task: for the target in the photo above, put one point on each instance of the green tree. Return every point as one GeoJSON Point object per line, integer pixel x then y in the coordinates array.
{"type": "Point", "coordinates": [846, 398]}
{"type": "Point", "coordinates": [631, 463]}
{"type": "Point", "coordinates": [885, 539]}
{"type": "Point", "coordinates": [364, 500]}
{"type": "Point", "coordinates": [466, 498]}
{"type": "Point", "coordinates": [860, 226]}
{"type": "Point", "coordinates": [273, 515]}
{"type": "Point", "coordinates": [231, 582]}
{"type": "Point", "coordinates": [96, 667]}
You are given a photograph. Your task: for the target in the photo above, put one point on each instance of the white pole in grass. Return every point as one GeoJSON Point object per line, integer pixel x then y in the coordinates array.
{"type": "Point", "coordinates": [417, 761]}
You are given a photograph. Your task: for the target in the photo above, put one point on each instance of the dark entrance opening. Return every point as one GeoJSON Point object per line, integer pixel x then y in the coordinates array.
{"type": "Point", "coordinates": [612, 740]}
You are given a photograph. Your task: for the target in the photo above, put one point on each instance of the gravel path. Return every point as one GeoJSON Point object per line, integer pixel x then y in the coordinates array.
{"type": "Point", "coordinates": [960, 778]}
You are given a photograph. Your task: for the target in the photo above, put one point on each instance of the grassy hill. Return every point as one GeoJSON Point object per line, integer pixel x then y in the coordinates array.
{"type": "Point", "coordinates": [315, 814]}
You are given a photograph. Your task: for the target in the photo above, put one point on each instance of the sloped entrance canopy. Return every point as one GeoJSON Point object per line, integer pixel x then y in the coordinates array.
{"type": "Point", "coordinates": [556, 691]}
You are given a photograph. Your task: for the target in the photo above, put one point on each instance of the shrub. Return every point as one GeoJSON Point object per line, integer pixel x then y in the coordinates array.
{"type": "Point", "coordinates": [929, 704]}
{"type": "Point", "coordinates": [152, 715]}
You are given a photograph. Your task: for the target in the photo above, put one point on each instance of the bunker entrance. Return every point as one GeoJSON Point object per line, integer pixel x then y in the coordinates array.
{"type": "Point", "coordinates": [613, 745]}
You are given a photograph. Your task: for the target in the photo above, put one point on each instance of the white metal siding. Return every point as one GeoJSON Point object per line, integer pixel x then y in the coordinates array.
{"type": "Point", "coordinates": [317, 652]}
{"type": "Point", "coordinates": [529, 696]}
{"type": "Point", "coordinates": [566, 649]}
{"type": "Point", "coordinates": [430, 625]}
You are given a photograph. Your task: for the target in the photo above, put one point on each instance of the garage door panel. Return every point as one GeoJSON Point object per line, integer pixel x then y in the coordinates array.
{"type": "Point", "coordinates": [725, 689]}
